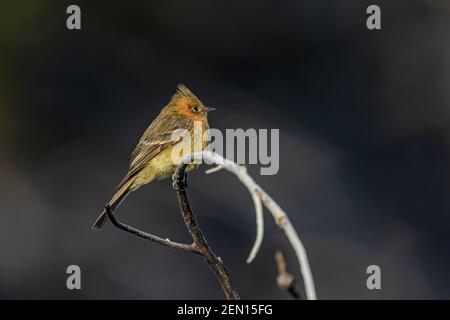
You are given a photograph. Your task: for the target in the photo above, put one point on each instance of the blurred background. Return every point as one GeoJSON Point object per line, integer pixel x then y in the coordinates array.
{"type": "Point", "coordinates": [364, 153]}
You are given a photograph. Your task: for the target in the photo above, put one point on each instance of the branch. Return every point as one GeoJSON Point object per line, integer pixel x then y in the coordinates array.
{"type": "Point", "coordinates": [285, 280]}
{"type": "Point", "coordinates": [199, 246]}
{"type": "Point", "coordinates": [148, 236]}
{"type": "Point", "coordinates": [258, 209]}
{"type": "Point", "coordinates": [214, 262]}
{"type": "Point", "coordinates": [258, 196]}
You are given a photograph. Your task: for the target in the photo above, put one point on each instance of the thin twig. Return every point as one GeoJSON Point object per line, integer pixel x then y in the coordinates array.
{"type": "Point", "coordinates": [148, 236]}
{"type": "Point", "coordinates": [285, 224]}
{"type": "Point", "coordinates": [259, 228]}
{"type": "Point", "coordinates": [258, 209]}
{"type": "Point", "coordinates": [279, 215]}
{"type": "Point", "coordinates": [285, 280]}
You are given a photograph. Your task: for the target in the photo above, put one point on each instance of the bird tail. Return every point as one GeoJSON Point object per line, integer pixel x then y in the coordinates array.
{"type": "Point", "coordinates": [115, 201]}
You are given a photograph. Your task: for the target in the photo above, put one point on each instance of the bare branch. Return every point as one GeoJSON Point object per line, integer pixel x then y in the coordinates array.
{"type": "Point", "coordinates": [280, 216]}
{"type": "Point", "coordinates": [258, 211]}
{"type": "Point", "coordinates": [148, 236]}
{"type": "Point", "coordinates": [199, 246]}
{"type": "Point", "coordinates": [285, 280]}
{"type": "Point", "coordinates": [259, 227]}
{"type": "Point", "coordinates": [285, 224]}
{"type": "Point", "coordinates": [200, 243]}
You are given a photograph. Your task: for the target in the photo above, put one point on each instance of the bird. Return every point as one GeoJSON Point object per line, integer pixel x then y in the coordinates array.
{"type": "Point", "coordinates": [153, 159]}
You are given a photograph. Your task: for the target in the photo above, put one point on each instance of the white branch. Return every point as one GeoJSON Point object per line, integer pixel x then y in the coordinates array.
{"type": "Point", "coordinates": [259, 227]}
{"type": "Point", "coordinates": [241, 171]}
{"type": "Point", "coordinates": [258, 196]}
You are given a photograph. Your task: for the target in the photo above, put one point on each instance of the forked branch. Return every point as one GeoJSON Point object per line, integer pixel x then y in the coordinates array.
{"type": "Point", "coordinates": [260, 197]}
{"type": "Point", "coordinates": [199, 245]}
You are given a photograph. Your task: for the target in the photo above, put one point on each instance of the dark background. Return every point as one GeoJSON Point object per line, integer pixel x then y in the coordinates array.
{"type": "Point", "coordinates": [364, 157]}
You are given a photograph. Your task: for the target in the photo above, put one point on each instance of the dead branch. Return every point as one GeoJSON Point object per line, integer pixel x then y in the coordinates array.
{"type": "Point", "coordinates": [285, 280]}
{"type": "Point", "coordinates": [214, 262]}
{"type": "Point", "coordinates": [260, 196]}
{"type": "Point", "coordinates": [199, 245]}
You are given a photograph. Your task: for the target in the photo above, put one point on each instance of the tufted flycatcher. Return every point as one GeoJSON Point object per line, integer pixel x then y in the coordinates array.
{"type": "Point", "coordinates": [152, 158]}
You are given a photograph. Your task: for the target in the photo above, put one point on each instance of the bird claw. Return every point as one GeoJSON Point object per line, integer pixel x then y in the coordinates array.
{"type": "Point", "coordinates": [179, 184]}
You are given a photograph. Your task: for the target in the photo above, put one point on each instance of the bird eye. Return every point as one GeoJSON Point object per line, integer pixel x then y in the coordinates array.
{"type": "Point", "coordinates": [196, 109]}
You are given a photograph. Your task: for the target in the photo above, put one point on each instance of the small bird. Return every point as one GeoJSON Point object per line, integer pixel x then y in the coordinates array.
{"type": "Point", "coordinates": [152, 158]}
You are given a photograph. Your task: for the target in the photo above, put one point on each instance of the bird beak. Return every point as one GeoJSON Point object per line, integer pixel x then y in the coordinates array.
{"type": "Point", "coordinates": [209, 109]}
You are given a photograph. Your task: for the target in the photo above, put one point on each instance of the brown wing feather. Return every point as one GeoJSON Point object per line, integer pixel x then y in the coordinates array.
{"type": "Point", "coordinates": [155, 139]}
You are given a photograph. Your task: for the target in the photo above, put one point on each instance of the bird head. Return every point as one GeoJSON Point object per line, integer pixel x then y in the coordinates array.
{"type": "Point", "coordinates": [186, 104]}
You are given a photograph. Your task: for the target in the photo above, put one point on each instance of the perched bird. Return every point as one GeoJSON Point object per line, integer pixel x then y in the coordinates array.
{"type": "Point", "coordinates": [152, 158]}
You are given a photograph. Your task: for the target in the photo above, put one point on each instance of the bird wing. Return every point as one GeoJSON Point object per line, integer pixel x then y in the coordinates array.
{"type": "Point", "coordinates": [159, 136]}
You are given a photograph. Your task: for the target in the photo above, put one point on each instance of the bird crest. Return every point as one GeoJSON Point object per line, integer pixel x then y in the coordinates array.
{"type": "Point", "coordinates": [183, 92]}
